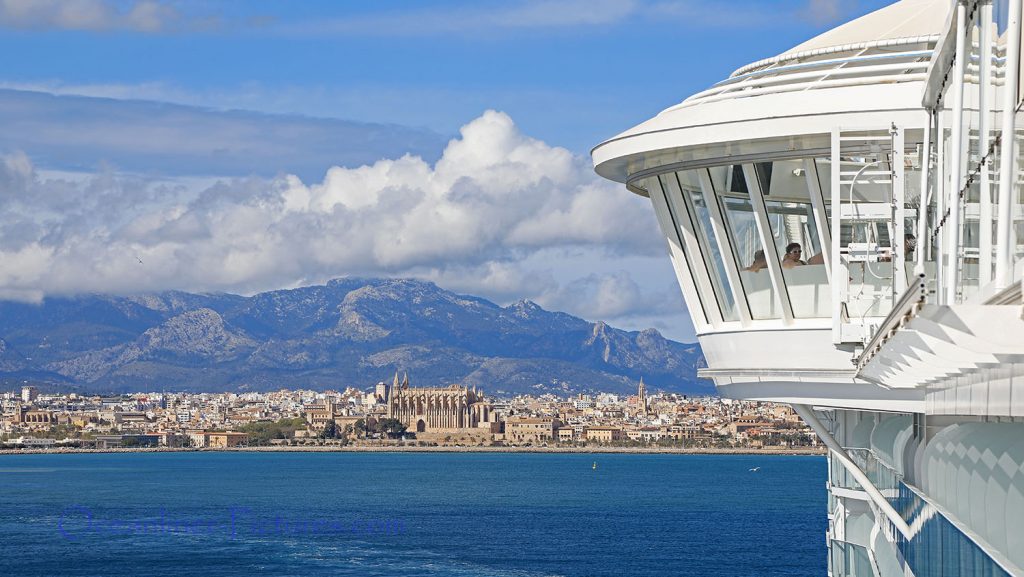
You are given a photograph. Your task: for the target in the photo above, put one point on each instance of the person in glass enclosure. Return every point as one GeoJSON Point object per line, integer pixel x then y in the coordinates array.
{"type": "Point", "coordinates": [760, 262]}
{"type": "Point", "coordinates": [792, 258]}
{"type": "Point", "coordinates": [909, 246]}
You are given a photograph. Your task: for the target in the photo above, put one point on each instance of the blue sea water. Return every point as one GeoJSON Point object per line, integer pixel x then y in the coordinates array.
{"type": "Point", "coordinates": [422, 514]}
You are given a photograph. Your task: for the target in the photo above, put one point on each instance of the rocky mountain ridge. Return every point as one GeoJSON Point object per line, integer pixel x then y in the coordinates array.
{"type": "Point", "coordinates": [349, 332]}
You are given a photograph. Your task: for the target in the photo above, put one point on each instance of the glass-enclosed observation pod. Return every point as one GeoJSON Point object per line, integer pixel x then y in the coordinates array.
{"type": "Point", "coordinates": [789, 195]}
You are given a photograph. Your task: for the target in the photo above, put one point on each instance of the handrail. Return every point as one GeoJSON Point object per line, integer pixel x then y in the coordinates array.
{"type": "Point", "coordinates": [812, 74]}
{"type": "Point", "coordinates": [857, 46]}
{"type": "Point", "coordinates": [973, 175]}
{"type": "Point", "coordinates": [823, 63]}
{"type": "Point", "coordinates": [909, 303]}
{"type": "Point", "coordinates": [810, 78]}
{"type": "Point", "coordinates": [839, 83]}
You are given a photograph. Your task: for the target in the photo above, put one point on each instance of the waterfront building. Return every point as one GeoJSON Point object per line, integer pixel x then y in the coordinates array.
{"type": "Point", "coordinates": [225, 439]}
{"type": "Point", "coordinates": [197, 439]}
{"type": "Point", "coordinates": [129, 441]}
{"type": "Point", "coordinates": [645, 434]}
{"type": "Point", "coordinates": [566, 434]}
{"type": "Point", "coordinates": [531, 430]}
{"type": "Point", "coordinates": [454, 408]}
{"type": "Point", "coordinates": [602, 434]}
{"type": "Point", "coordinates": [31, 442]}
{"type": "Point", "coordinates": [688, 432]}
{"type": "Point", "coordinates": [846, 223]}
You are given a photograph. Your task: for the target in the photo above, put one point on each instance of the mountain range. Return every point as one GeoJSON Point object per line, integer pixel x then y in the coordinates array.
{"type": "Point", "coordinates": [349, 332]}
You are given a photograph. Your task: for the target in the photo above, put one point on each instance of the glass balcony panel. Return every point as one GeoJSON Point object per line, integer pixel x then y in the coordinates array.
{"type": "Point", "coordinates": [851, 560]}
{"type": "Point", "coordinates": [734, 196]}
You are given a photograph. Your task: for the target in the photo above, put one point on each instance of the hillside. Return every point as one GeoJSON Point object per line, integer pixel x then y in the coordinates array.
{"type": "Point", "coordinates": [349, 332]}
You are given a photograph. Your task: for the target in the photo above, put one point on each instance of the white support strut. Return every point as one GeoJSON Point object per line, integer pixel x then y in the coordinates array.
{"type": "Point", "coordinates": [807, 414]}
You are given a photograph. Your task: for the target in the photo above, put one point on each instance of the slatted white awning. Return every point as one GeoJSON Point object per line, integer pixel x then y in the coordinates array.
{"type": "Point", "coordinates": [939, 343]}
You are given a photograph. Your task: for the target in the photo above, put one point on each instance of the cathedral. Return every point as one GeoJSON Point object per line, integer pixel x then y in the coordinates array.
{"type": "Point", "coordinates": [439, 409]}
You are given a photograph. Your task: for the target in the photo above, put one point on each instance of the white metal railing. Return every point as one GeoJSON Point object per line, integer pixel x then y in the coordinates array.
{"type": "Point", "coordinates": [855, 47]}
{"type": "Point", "coordinates": [963, 177]}
{"type": "Point", "coordinates": [817, 82]}
{"type": "Point", "coordinates": [832, 62]}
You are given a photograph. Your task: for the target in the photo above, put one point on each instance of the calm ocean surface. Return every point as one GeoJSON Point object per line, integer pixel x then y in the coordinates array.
{"type": "Point", "coordinates": [472, 515]}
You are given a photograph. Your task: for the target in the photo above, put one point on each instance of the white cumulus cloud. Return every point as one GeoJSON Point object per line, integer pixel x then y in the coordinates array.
{"type": "Point", "coordinates": [470, 221]}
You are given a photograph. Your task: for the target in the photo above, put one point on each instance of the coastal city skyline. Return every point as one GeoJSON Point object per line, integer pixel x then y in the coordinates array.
{"type": "Point", "coordinates": [391, 415]}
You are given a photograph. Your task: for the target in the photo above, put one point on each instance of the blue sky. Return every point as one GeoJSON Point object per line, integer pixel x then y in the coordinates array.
{"type": "Point", "coordinates": [183, 115]}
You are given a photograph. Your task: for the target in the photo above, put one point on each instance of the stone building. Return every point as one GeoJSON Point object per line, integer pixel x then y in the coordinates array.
{"type": "Point", "coordinates": [32, 417]}
{"type": "Point", "coordinates": [604, 434]}
{"type": "Point", "coordinates": [454, 408]}
{"type": "Point", "coordinates": [318, 415]}
{"type": "Point", "coordinates": [529, 430]}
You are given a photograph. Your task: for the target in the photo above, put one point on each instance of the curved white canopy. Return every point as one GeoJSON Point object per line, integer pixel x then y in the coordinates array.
{"type": "Point", "coordinates": [903, 19]}
{"type": "Point", "coordinates": [791, 101]}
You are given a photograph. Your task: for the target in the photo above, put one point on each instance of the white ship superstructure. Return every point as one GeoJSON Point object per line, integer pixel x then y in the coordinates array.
{"type": "Point", "coordinates": [846, 222]}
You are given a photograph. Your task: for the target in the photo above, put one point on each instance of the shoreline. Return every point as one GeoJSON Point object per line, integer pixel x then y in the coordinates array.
{"type": "Point", "coordinates": [771, 451]}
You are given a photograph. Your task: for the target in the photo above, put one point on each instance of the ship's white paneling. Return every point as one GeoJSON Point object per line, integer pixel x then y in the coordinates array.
{"type": "Point", "coordinates": [740, 126]}
{"type": "Point", "coordinates": [997, 391]}
{"type": "Point", "coordinates": [974, 472]}
{"type": "Point", "coordinates": [885, 437]}
{"type": "Point", "coordinates": [844, 395]}
{"type": "Point", "coordinates": [858, 527]}
{"type": "Point", "coordinates": [970, 471]}
{"type": "Point", "coordinates": [791, 349]}
{"type": "Point", "coordinates": [860, 435]}
{"type": "Point", "coordinates": [899, 20]}
{"type": "Point", "coordinates": [999, 385]}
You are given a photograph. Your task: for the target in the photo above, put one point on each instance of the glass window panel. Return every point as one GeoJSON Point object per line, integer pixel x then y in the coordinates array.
{"type": "Point", "coordinates": [795, 235]}
{"type": "Point", "coordinates": [689, 183]}
{"type": "Point", "coordinates": [653, 187]}
{"type": "Point", "coordinates": [731, 188]}
{"type": "Point", "coordinates": [823, 168]}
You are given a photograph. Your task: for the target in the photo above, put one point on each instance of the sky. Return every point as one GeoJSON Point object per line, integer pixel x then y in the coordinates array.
{"type": "Point", "coordinates": [251, 145]}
